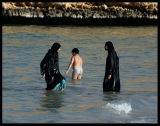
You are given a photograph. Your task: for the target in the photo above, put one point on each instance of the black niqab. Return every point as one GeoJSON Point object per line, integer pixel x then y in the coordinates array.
{"type": "Point", "coordinates": [110, 46]}
{"type": "Point", "coordinates": [55, 47]}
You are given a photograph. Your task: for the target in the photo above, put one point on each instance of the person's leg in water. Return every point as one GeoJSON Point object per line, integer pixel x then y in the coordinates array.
{"type": "Point", "coordinates": [79, 76]}
{"type": "Point", "coordinates": [74, 75]}
{"type": "Point", "coordinates": [77, 73]}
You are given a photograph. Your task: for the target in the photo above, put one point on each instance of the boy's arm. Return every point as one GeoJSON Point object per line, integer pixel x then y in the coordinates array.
{"type": "Point", "coordinates": [71, 62]}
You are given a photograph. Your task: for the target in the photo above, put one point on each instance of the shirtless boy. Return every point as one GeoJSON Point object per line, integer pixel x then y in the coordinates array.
{"type": "Point", "coordinates": [77, 62]}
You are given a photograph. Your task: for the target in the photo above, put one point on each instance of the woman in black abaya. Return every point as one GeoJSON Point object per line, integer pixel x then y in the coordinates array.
{"type": "Point", "coordinates": [111, 79]}
{"type": "Point", "coordinates": [49, 68]}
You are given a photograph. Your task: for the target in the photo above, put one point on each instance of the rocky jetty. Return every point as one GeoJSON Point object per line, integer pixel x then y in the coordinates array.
{"type": "Point", "coordinates": [80, 13]}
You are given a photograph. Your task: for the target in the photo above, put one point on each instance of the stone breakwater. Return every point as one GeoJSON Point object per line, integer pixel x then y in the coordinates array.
{"type": "Point", "coordinates": [80, 13]}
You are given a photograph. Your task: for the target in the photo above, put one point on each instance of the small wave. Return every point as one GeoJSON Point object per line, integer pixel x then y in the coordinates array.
{"type": "Point", "coordinates": [122, 107]}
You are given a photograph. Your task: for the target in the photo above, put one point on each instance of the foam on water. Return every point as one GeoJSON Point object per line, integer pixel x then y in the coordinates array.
{"type": "Point", "coordinates": [139, 121]}
{"type": "Point", "coordinates": [120, 107]}
{"type": "Point", "coordinates": [143, 120]}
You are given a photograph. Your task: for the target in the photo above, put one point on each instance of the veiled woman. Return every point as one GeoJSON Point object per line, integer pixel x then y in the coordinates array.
{"type": "Point", "coordinates": [111, 79]}
{"type": "Point", "coordinates": [49, 68]}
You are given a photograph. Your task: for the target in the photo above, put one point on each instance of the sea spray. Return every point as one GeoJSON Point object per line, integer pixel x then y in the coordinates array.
{"type": "Point", "coordinates": [120, 107]}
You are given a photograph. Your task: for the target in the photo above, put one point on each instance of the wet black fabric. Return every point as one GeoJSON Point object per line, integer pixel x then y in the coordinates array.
{"type": "Point", "coordinates": [112, 68]}
{"type": "Point", "coordinates": [50, 67]}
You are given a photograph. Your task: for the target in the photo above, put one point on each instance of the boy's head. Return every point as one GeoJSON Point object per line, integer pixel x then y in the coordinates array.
{"type": "Point", "coordinates": [75, 51]}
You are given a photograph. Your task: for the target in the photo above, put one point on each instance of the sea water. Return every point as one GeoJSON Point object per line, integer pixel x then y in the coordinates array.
{"type": "Point", "coordinates": [25, 100]}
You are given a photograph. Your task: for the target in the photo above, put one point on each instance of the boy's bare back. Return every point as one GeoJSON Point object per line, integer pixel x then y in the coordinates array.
{"type": "Point", "coordinates": [77, 63]}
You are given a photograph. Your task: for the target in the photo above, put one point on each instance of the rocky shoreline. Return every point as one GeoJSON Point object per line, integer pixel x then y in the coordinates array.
{"type": "Point", "coordinates": [80, 13]}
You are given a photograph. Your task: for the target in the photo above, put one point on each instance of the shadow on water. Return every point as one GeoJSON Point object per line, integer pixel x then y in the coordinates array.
{"type": "Point", "coordinates": [111, 96]}
{"type": "Point", "coordinates": [51, 100]}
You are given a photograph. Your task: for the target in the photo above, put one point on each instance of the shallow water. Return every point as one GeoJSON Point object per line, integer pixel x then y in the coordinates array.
{"type": "Point", "coordinates": [25, 100]}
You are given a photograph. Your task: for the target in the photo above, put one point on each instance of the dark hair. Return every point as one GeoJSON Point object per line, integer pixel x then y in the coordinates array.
{"type": "Point", "coordinates": [75, 50]}
{"type": "Point", "coordinates": [55, 46]}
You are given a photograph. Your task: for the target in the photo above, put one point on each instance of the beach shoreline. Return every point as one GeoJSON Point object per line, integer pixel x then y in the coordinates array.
{"type": "Point", "coordinates": [81, 22]}
{"type": "Point", "coordinates": [80, 13]}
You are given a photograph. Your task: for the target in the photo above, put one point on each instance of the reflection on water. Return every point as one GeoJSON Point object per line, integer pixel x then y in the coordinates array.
{"type": "Point", "coordinates": [111, 96]}
{"type": "Point", "coordinates": [51, 100]}
{"type": "Point", "coordinates": [26, 100]}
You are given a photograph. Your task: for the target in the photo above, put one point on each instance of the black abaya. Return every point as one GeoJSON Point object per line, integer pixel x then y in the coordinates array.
{"type": "Point", "coordinates": [112, 68]}
{"type": "Point", "coordinates": [50, 67]}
